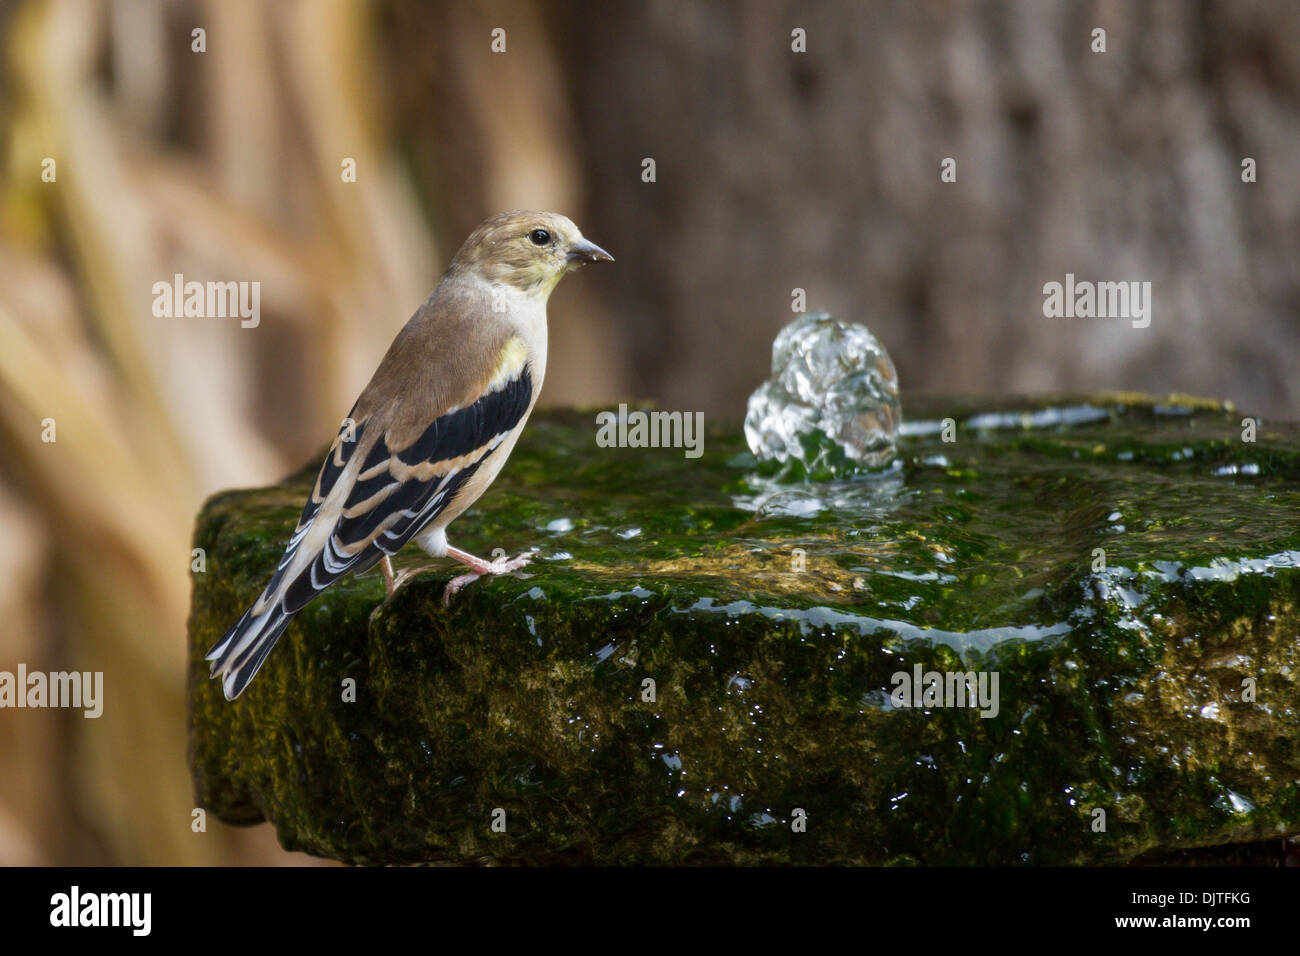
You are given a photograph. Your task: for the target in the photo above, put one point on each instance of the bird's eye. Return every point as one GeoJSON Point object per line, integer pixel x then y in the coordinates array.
{"type": "Point", "coordinates": [539, 237]}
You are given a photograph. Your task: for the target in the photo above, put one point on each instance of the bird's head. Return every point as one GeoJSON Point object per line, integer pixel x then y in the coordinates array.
{"type": "Point", "coordinates": [530, 251]}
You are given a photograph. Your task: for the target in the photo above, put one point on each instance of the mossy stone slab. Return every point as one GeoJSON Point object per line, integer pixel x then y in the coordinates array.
{"type": "Point", "coordinates": [1127, 565]}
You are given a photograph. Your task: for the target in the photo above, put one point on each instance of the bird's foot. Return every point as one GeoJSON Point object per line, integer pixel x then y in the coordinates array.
{"type": "Point", "coordinates": [393, 581]}
{"type": "Point", "coordinates": [407, 573]}
{"type": "Point", "coordinates": [480, 567]}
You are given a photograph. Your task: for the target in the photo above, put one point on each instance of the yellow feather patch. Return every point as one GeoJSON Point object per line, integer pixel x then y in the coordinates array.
{"type": "Point", "coordinates": [513, 356]}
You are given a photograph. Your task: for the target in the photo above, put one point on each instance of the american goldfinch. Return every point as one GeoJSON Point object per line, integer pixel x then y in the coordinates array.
{"type": "Point", "coordinates": [429, 432]}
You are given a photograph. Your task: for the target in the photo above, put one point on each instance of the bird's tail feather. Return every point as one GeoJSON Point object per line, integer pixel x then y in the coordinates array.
{"type": "Point", "coordinates": [238, 655]}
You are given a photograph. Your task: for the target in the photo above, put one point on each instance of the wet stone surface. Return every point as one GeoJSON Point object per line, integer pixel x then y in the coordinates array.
{"type": "Point", "coordinates": [1129, 567]}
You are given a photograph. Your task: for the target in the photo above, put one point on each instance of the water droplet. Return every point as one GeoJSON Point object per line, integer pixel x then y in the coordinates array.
{"type": "Point", "coordinates": [738, 684]}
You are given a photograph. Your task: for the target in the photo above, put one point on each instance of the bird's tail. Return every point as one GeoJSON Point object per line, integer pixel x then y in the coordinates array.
{"type": "Point", "coordinates": [238, 655]}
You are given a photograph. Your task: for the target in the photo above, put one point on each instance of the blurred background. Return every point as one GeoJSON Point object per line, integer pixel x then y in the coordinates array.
{"type": "Point", "coordinates": [774, 170]}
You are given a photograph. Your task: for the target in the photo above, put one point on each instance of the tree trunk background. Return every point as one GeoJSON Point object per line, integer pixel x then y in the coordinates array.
{"type": "Point", "coordinates": [821, 171]}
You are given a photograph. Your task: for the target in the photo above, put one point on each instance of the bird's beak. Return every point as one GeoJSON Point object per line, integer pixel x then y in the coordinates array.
{"type": "Point", "coordinates": [584, 251]}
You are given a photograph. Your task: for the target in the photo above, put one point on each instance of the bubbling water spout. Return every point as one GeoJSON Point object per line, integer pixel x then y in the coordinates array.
{"type": "Point", "coordinates": [830, 408]}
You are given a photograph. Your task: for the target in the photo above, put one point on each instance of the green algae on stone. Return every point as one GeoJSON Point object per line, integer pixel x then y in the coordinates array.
{"type": "Point", "coordinates": [701, 656]}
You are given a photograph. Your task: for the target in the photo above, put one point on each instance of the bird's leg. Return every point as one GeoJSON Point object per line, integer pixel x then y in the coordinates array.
{"type": "Point", "coordinates": [393, 581]}
{"type": "Point", "coordinates": [479, 567]}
